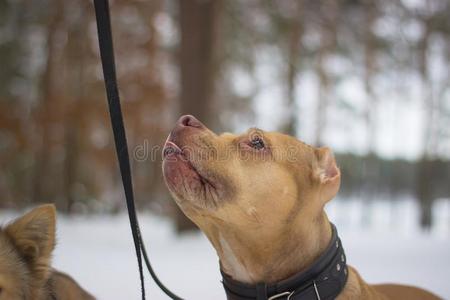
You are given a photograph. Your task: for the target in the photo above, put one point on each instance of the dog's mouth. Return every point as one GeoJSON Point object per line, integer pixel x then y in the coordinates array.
{"type": "Point", "coordinates": [172, 151]}
{"type": "Point", "coordinates": [186, 177]}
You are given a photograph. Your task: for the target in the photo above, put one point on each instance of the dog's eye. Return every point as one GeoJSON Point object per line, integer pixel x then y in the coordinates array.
{"type": "Point", "coordinates": [257, 143]}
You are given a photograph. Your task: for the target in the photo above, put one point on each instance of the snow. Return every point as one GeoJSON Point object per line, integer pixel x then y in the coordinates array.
{"type": "Point", "coordinates": [97, 250]}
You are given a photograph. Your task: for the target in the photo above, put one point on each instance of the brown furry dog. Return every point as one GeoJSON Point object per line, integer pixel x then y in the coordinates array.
{"type": "Point", "coordinates": [259, 197]}
{"type": "Point", "coordinates": [26, 246]}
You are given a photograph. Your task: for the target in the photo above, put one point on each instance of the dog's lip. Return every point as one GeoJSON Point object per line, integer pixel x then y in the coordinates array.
{"type": "Point", "coordinates": [171, 149]}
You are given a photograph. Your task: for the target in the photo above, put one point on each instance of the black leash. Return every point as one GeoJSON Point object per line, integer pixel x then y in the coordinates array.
{"type": "Point", "coordinates": [109, 74]}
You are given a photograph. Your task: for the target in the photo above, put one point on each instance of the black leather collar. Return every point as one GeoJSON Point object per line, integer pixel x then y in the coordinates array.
{"type": "Point", "coordinates": [324, 280]}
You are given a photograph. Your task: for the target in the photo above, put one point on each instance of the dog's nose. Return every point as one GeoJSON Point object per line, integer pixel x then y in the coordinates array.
{"type": "Point", "coordinates": [189, 121]}
{"type": "Point", "coordinates": [185, 127]}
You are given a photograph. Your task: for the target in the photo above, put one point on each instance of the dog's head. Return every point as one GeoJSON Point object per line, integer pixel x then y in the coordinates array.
{"type": "Point", "coordinates": [26, 245]}
{"type": "Point", "coordinates": [254, 180]}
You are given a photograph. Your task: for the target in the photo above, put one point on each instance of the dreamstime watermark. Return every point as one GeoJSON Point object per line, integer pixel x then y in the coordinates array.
{"type": "Point", "coordinates": [145, 152]}
{"type": "Point", "coordinates": [243, 151]}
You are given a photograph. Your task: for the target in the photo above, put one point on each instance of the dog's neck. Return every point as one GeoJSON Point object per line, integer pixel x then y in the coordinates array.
{"type": "Point", "coordinates": [257, 255]}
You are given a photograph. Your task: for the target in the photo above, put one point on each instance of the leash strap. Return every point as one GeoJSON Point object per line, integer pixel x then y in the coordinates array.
{"type": "Point", "coordinates": [115, 112]}
{"type": "Point", "coordinates": [109, 73]}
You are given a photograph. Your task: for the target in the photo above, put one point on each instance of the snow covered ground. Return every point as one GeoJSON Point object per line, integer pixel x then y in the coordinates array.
{"type": "Point", "coordinates": [98, 252]}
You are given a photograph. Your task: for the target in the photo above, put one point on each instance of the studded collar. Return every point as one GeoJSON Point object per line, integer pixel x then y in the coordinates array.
{"type": "Point", "coordinates": [324, 280]}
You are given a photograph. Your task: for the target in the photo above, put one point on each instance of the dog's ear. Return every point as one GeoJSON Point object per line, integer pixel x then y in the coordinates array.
{"type": "Point", "coordinates": [33, 235]}
{"type": "Point", "coordinates": [327, 173]}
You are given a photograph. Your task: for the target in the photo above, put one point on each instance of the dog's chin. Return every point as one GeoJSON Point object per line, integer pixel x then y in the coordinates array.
{"type": "Point", "coordinates": [185, 182]}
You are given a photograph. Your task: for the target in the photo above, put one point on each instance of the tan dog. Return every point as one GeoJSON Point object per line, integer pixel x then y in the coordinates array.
{"type": "Point", "coordinates": [259, 197]}
{"type": "Point", "coordinates": [26, 246]}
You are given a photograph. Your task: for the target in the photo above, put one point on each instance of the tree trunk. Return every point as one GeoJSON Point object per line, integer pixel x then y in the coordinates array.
{"type": "Point", "coordinates": [423, 191]}
{"type": "Point", "coordinates": [370, 168]}
{"type": "Point", "coordinates": [328, 30]}
{"type": "Point", "coordinates": [198, 21]}
{"type": "Point", "coordinates": [322, 101]}
{"type": "Point", "coordinates": [44, 115]}
{"type": "Point", "coordinates": [369, 71]}
{"type": "Point", "coordinates": [293, 59]}
{"type": "Point", "coordinates": [75, 52]}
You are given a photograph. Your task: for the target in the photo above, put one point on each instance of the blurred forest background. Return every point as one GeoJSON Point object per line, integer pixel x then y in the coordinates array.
{"type": "Point", "coordinates": [369, 78]}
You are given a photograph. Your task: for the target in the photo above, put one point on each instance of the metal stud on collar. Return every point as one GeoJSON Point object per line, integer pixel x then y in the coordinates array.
{"type": "Point", "coordinates": [288, 294]}
{"type": "Point", "coordinates": [316, 290]}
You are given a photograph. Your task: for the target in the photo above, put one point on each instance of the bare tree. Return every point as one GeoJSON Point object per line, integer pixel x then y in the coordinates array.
{"type": "Point", "coordinates": [44, 187]}
{"type": "Point", "coordinates": [198, 21]}
{"type": "Point", "coordinates": [329, 12]}
{"type": "Point", "coordinates": [370, 49]}
{"type": "Point", "coordinates": [424, 189]}
{"type": "Point", "coordinates": [370, 167]}
{"type": "Point", "coordinates": [75, 53]}
{"type": "Point", "coordinates": [293, 30]}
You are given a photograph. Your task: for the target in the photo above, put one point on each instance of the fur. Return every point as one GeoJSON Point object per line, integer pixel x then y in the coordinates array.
{"type": "Point", "coordinates": [26, 247]}
{"type": "Point", "coordinates": [262, 207]}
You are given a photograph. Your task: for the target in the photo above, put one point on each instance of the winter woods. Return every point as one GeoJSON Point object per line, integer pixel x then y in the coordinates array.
{"type": "Point", "coordinates": [368, 78]}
